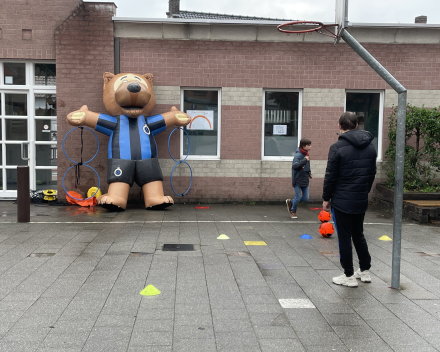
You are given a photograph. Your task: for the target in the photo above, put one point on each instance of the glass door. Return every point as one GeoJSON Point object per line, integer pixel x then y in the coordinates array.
{"type": "Point", "coordinates": [27, 125]}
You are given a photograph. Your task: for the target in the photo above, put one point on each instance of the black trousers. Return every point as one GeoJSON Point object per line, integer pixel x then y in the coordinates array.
{"type": "Point", "coordinates": [351, 227]}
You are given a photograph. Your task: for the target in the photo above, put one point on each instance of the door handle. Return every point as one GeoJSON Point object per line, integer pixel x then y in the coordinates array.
{"type": "Point", "coordinates": [22, 150]}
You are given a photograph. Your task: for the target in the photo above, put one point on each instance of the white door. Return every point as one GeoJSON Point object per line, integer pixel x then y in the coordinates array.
{"type": "Point", "coordinates": [27, 125]}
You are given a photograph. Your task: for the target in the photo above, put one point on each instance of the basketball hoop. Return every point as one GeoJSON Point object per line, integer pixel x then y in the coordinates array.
{"type": "Point", "coordinates": [319, 28]}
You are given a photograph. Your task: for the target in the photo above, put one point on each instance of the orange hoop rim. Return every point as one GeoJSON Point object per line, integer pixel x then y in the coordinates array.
{"type": "Point", "coordinates": [320, 26]}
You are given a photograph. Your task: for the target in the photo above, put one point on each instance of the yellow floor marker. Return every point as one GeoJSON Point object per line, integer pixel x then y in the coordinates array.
{"type": "Point", "coordinates": [255, 243]}
{"type": "Point", "coordinates": [150, 290]}
{"type": "Point", "coordinates": [385, 238]}
{"type": "Point", "coordinates": [223, 237]}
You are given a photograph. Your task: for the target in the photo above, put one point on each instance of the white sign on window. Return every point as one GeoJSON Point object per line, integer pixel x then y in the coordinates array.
{"type": "Point", "coordinates": [9, 79]}
{"type": "Point", "coordinates": [280, 130]}
{"type": "Point", "coordinates": [201, 120]}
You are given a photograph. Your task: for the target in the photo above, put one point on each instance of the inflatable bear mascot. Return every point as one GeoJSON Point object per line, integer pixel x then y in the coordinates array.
{"type": "Point", "coordinates": [132, 153]}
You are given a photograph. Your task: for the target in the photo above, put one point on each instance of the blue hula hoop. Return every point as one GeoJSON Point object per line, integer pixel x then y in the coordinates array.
{"type": "Point", "coordinates": [97, 141]}
{"type": "Point", "coordinates": [179, 162]}
{"type": "Point", "coordinates": [84, 163]}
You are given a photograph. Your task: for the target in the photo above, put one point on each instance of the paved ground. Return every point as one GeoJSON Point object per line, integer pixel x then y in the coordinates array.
{"type": "Point", "coordinates": [71, 279]}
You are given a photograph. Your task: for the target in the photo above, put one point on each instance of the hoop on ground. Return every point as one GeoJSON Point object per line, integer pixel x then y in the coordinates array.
{"type": "Point", "coordinates": [99, 182]}
{"type": "Point", "coordinates": [81, 163]}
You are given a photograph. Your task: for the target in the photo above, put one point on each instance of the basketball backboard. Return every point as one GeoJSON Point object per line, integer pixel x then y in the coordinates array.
{"type": "Point", "coordinates": [341, 12]}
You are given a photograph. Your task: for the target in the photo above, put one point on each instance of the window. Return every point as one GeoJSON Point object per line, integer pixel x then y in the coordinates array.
{"type": "Point", "coordinates": [204, 129]}
{"type": "Point", "coordinates": [45, 75]}
{"type": "Point", "coordinates": [15, 73]}
{"type": "Point", "coordinates": [281, 124]}
{"type": "Point", "coordinates": [368, 107]}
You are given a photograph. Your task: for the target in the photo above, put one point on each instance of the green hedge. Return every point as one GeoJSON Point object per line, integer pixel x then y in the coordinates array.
{"type": "Point", "coordinates": [422, 149]}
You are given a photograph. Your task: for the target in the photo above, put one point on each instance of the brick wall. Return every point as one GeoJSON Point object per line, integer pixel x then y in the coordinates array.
{"type": "Point", "coordinates": [27, 27]}
{"type": "Point", "coordinates": [280, 65]}
{"type": "Point", "coordinates": [84, 51]}
{"type": "Point", "coordinates": [242, 70]}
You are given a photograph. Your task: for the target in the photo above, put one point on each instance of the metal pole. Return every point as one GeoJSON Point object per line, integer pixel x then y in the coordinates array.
{"type": "Point", "coordinates": [117, 55]}
{"type": "Point", "coordinates": [400, 150]}
{"type": "Point", "coordinates": [23, 200]}
{"type": "Point", "coordinates": [370, 60]}
{"type": "Point", "coordinates": [398, 189]}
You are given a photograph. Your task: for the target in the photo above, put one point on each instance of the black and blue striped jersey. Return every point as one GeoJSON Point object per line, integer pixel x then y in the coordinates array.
{"type": "Point", "coordinates": [131, 138]}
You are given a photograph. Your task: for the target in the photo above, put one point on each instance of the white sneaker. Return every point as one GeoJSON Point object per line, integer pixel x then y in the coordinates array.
{"type": "Point", "coordinates": [345, 281]}
{"type": "Point", "coordinates": [363, 275]}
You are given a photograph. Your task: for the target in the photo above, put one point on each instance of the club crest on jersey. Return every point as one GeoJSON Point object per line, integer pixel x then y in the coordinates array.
{"type": "Point", "coordinates": [118, 172]}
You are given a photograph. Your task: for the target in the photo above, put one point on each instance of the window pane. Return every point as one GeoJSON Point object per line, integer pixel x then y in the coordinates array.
{"type": "Point", "coordinates": [45, 105]}
{"type": "Point", "coordinates": [46, 155]}
{"type": "Point", "coordinates": [13, 154]}
{"type": "Point", "coordinates": [16, 129]}
{"type": "Point", "coordinates": [366, 107]}
{"type": "Point", "coordinates": [1, 129]}
{"type": "Point", "coordinates": [16, 104]}
{"type": "Point", "coordinates": [15, 73]}
{"type": "Point", "coordinates": [46, 179]}
{"type": "Point", "coordinates": [45, 75]}
{"type": "Point", "coordinates": [11, 179]}
{"type": "Point", "coordinates": [1, 159]}
{"type": "Point", "coordinates": [202, 106]}
{"type": "Point", "coordinates": [281, 123]}
{"type": "Point", "coordinates": [46, 130]}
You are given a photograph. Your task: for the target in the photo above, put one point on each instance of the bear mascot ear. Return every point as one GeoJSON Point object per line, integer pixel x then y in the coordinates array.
{"type": "Point", "coordinates": [152, 103]}
{"type": "Point", "coordinates": [149, 77]}
{"type": "Point", "coordinates": [107, 78]}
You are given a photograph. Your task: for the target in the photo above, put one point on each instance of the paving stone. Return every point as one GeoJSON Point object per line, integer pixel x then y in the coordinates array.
{"type": "Point", "coordinates": [343, 319]}
{"type": "Point", "coordinates": [86, 297]}
{"type": "Point", "coordinates": [327, 348]}
{"type": "Point", "coordinates": [280, 345]}
{"type": "Point", "coordinates": [193, 332]}
{"type": "Point", "coordinates": [274, 332]}
{"type": "Point", "coordinates": [194, 345]}
{"type": "Point", "coordinates": [321, 338]}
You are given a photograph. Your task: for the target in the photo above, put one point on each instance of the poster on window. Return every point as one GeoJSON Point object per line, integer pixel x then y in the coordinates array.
{"type": "Point", "coordinates": [279, 130]}
{"type": "Point", "coordinates": [201, 120]}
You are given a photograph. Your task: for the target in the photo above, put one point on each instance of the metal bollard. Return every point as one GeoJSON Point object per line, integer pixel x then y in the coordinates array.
{"type": "Point", "coordinates": [23, 200]}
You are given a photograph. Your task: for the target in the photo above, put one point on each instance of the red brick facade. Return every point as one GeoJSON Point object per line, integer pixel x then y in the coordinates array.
{"type": "Point", "coordinates": [279, 65]}
{"type": "Point", "coordinates": [27, 27]}
{"type": "Point", "coordinates": [84, 50]}
{"type": "Point", "coordinates": [80, 36]}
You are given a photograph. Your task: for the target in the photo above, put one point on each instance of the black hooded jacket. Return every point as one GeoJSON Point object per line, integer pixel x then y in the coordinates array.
{"type": "Point", "coordinates": [351, 169]}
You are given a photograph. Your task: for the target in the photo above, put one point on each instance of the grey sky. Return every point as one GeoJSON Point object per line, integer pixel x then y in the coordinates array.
{"type": "Point", "coordinates": [371, 11]}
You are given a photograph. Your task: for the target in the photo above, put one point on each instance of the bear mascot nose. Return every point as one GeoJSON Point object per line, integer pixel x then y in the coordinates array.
{"type": "Point", "coordinates": [134, 88]}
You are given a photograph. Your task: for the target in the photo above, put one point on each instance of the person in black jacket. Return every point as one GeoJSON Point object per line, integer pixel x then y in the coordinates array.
{"type": "Point", "coordinates": [301, 174]}
{"type": "Point", "coordinates": [351, 169]}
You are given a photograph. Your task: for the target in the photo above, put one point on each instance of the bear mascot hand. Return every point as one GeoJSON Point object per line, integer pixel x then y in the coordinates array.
{"type": "Point", "coordinates": [78, 117]}
{"type": "Point", "coordinates": [177, 118]}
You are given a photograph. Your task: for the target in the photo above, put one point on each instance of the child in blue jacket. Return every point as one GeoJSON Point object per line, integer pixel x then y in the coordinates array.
{"type": "Point", "coordinates": [301, 174]}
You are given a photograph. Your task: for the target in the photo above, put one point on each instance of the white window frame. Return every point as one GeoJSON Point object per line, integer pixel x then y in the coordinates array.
{"type": "Point", "coordinates": [300, 105]}
{"type": "Point", "coordinates": [183, 134]}
{"type": "Point", "coordinates": [381, 108]}
{"type": "Point", "coordinates": [30, 89]}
